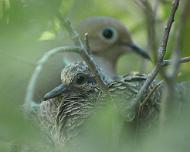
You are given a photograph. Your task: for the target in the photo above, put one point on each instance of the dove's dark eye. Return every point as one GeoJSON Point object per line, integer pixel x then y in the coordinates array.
{"type": "Point", "coordinates": [108, 33]}
{"type": "Point", "coordinates": [80, 79]}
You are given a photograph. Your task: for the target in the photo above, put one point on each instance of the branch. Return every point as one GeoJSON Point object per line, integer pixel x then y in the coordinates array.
{"type": "Point", "coordinates": [86, 39]}
{"type": "Point", "coordinates": [171, 74]}
{"type": "Point", "coordinates": [168, 27]}
{"type": "Point", "coordinates": [31, 105]}
{"type": "Point", "coordinates": [150, 17]}
{"type": "Point", "coordinates": [181, 60]}
{"type": "Point", "coordinates": [178, 45]}
{"type": "Point", "coordinates": [161, 51]}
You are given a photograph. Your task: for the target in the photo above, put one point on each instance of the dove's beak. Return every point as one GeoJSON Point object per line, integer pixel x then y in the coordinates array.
{"type": "Point", "coordinates": [55, 92]}
{"type": "Point", "coordinates": [138, 50]}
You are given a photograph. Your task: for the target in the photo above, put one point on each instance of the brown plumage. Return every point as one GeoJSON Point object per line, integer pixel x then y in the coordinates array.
{"type": "Point", "coordinates": [68, 106]}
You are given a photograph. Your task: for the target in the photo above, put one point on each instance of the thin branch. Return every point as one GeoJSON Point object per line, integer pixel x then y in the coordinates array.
{"type": "Point", "coordinates": [162, 51]}
{"type": "Point", "coordinates": [142, 104]}
{"type": "Point", "coordinates": [181, 60]}
{"type": "Point", "coordinates": [31, 105]}
{"type": "Point", "coordinates": [168, 27]}
{"type": "Point", "coordinates": [86, 40]}
{"type": "Point", "coordinates": [150, 94]}
{"type": "Point", "coordinates": [150, 17]}
{"type": "Point", "coordinates": [73, 34]}
{"type": "Point", "coordinates": [171, 74]}
{"type": "Point", "coordinates": [178, 45]}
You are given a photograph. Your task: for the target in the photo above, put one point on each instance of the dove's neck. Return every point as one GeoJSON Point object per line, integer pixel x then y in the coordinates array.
{"type": "Point", "coordinates": [107, 66]}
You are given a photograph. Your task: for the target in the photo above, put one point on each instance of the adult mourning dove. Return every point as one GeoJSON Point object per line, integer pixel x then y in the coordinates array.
{"type": "Point", "coordinates": [108, 40]}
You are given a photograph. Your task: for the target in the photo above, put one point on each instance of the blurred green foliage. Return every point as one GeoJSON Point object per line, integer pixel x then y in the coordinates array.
{"type": "Point", "coordinates": [28, 28]}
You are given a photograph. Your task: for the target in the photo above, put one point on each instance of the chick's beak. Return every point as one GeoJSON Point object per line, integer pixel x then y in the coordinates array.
{"type": "Point", "coordinates": [139, 51]}
{"type": "Point", "coordinates": [55, 92]}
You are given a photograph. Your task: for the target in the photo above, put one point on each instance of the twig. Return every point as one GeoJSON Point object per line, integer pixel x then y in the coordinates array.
{"type": "Point", "coordinates": [150, 94]}
{"type": "Point", "coordinates": [142, 104]}
{"type": "Point", "coordinates": [168, 27]}
{"type": "Point", "coordinates": [177, 46]}
{"type": "Point", "coordinates": [150, 17]}
{"type": "Point", "coordinates": [31, 105]}
{"type": "Point", "coordinates": [86, 40]}
{"type": "Point", "coordinates": [171, 73]}
{"type": "Point", "coordinates": [181, 60]}
{"type": "Point", "coordinates": [161, 51]}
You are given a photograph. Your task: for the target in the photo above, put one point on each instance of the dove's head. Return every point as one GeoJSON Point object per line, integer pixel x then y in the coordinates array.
{"type": "Point", "coordinates": [72, 102]}
{"type": "Point", "coordinates": [75, 78]}
{"type": "Point", "coordinates": [109, 38]}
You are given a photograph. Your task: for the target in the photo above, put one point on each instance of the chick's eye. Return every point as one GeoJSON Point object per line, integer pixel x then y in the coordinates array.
{"type": "Point", "coordinates": [108, 33]}
{"type": "Point", "coordinates": [81, 79]}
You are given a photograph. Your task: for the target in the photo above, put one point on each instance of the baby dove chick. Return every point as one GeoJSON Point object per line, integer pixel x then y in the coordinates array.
{"type": "Point", "coordinates": [68, 106]}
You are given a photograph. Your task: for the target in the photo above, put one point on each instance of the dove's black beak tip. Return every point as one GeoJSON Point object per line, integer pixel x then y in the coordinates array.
{"type": "Point", "coordinates": [140, 52]}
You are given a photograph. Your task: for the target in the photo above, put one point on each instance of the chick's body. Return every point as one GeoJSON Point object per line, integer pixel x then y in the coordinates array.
{"type": "Point", "coordinates": [66, 111]}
